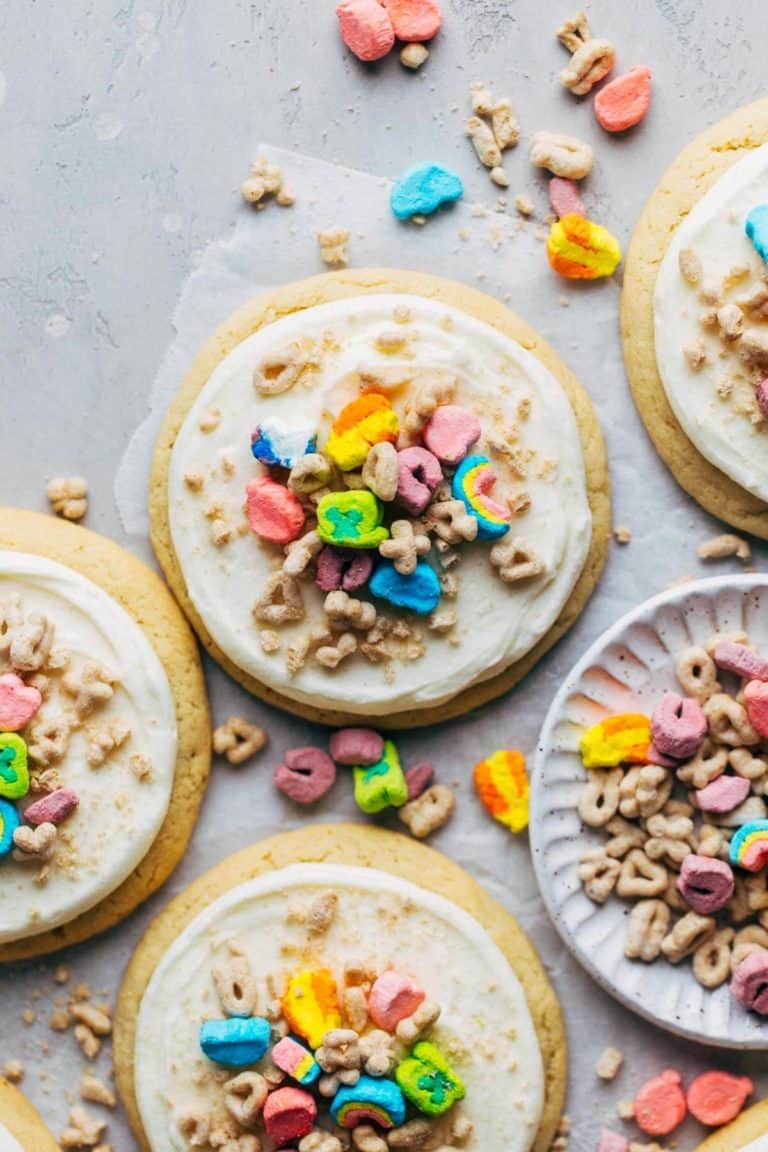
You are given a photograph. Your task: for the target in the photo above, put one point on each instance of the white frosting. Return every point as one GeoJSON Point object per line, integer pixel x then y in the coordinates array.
{"type": "Point", "coordinates": [381, 920]}
{"type": "Point", "coordinates": [118, 817]}
{"type": "Point", "coordinates": [714, 230]}
{"type": "Point", "coordinates": [497, 623]}
{"type": "Point", "coordinates": [758, 1145]}
{"type": "Point", "coordinates": [8, 1142]}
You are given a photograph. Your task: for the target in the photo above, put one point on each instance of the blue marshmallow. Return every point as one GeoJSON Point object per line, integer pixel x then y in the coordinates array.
{"type": "Point", "coordinates": [419, 592]}
{"type": "Point", "coordinates": [756, 227]}
{"type": "Point", "coordinates": [422, 190]}
{"type": "Point", "coordinates": [236, 1042]}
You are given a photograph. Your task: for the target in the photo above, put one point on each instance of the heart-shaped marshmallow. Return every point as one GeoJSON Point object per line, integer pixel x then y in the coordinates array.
{"type": "Point", "coordinates": [18, 702]}
{"type": "Point", "coordinates": [450, 433]}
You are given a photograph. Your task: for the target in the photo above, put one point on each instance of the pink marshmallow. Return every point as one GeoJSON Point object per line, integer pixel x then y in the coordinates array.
{"type": "Point", "coordinates": [358, 747]}
{"type": "Point", "coordinates": [705, 883]}
{"type": "Point", "coordinates": [750, 982]}
{"type": "Point", "coordinates": [450, 432]}
{"type": "Point", "coordinates": [756, 704]}
{"type": "Point", "coordinates": [612, 1142]}
{"type": "Point", "coordinates": [366, 28]}
{"type": "Point", "coordinates": [19, 702]}
{"type": "Point", "coordinates": [393, 997]}
{"type": "Point", "coordinates": [418, 778]}
{"type": "Point", "coordinates": [565, 198]}
{"type": "Point", "coordinates": [653, 756]}
{"type": "Point", "coordinates": [273, 512]}
{"type": "Point", "coordinates": [414, 19]}
{"type": "Point", "coordinates": [678, 726]}
{"type": "Point", "coordinates": [419, 474]}
{"type": "Point", "coordinates": [53, 808]}
{"type": "Point", "coordinates": [347, 568]}
{"type": "Point", "coordinates": [739, 659]}
{"type": "Point", "coordinates": [723, 794]}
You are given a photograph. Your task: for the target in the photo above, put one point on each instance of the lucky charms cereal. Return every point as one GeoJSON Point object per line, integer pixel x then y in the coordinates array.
{"type": "Point", "coordinates": [680, 795]}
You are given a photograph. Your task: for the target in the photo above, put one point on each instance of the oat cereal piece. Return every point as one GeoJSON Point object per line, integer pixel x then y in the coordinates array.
{"type": "Point", "coordinates": [444, 620]}
{"type": "Point", "coordinates": [365, 1138]}
{"type": "Point", "coordinates": [31, 845]}
{"type": "Point", "coordinates": [89, 1042]}
{"type": "Point", "coordinates": [237, 739]}
{"type": "Point", "coordinates": [193, 1124]}
{"type": "Point", "coordinates": [347, 612]}
{"type": "Point", "coordinates": [728, 722]}
{"type": "Point", "coordinates": [310, 473]}
{"type": "Point", "coordinates": [244, 1097]}
{"type": "Point", "coordinates": [640, 877]}
{"type": "Point", "coordinates": [266, 180]}
{"type": "Point", "coordinates": [68, 497]}
{"type": "Point", "coordinates": [730, 318]}
{"type": "Point", "coordinates": [712, 959]}
{"type": "Point", "coordinates": [506, 128]}
{"type": "Point", "coordinates": [609, 1064]}
{"type": "Point", "coordinates": [428, 812]}
{"type": "Point", "coordinates": [591, 58]}
{"type": "Point", "coordinates": [562, 155]}
{"type": "Point", "coordinates": [688, 934]}
{"type": "Point", "coordinates": [450, 521]}
{"type": "Point", "coordinates": [281, 602]}
{"type": "Point", "coordinates": [413, 55]}
{"type": "Point", "coordinates": [499, 177]}
{"type": "Point", "coordinates": [404, 547]}
{"type": "Point", "coordinates": [524, 205]}
{"type": "Point", "coordinates": [624, 837]}
{"type": "Point", "coordinates": [599, 800]}
{"type": "Point", "coordinates": [721, 547]}
{"type": "Point", "coordinates": [412, 1028]}
{"type": "Point", "coordinates": [278, 374]}
{"type": "Point", "coordinates": [690, 266]}
{"type": "Point", "coordinates": [516, 560]}
{"type": "Point", "coordinates": [331, 655]}
{"type": "Point", "coordinates": [697, 674]}
{"type": "Point", "coordinates": [235, 985]}
{"type": "Point", "coordinates": [96, 1091]}
{"type": "Point", "coordinates": [333, 245]}
{"type": "Point", "coordinates": [48, 742]}
{"type": "Point", "coordinates": [84, 1130]}
{"type": "Point", "coordinates": [102, 742]}
{"type": "Point", "coordinates": [598, 873]}
{"type": "Point", "coordinates": [753, 348]}
{"type": "Point", "coordinates": [484, 142]}
{"type": "Point", "coordinates": [648, 925]}
{"type": "Point", "coordinates": [90, 688]}
{"type": "Point", "coordinates": [482, 100]}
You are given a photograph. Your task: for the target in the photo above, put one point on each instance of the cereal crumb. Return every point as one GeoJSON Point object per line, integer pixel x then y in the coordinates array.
{"type": "Point", "coordinates": [609, 1063]}
{"type": "Point", "coordinates": [333, 245]}
{"type": "Point", "coordinates": [13, 1070]}
{"type": "Point", "coordinates": [237, 739]}
{"type": "Point", "coordinates": [413, 55]}
{"type": "Point", "coordinates": [524, 205]}
{"type": "Point", "coordinates": [96, 1091]}
{"type": "Point", "coordinates": [622, 534]}
{"type": "Point", "coordinates": [68, 496]}
{"type": "Point", "coordinates": [722, 547]}
{"type": "Point", "coordinates": [625, 1109]}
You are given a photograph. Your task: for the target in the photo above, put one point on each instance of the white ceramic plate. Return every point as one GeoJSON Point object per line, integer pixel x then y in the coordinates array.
{"type": "Point", "coordinates": [627, 670]}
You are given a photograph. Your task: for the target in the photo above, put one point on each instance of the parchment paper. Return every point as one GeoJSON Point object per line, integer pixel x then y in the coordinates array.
{"type": "Point", "coordinates": [486, 244]}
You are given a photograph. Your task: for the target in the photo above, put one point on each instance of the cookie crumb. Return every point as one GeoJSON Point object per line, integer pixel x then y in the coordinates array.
{"type": "Point", "coordinates": [524, 205]}
{"type": "Point", "coordinates": [13, 1070]}
{"type": "Point", "coordinates": [333, 245]}
{"type": "Point", "coordinates": [622, 534]}
{"type": "Point", "coordinates": [413, 55]}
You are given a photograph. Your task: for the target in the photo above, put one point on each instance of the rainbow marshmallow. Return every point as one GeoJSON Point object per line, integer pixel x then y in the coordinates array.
{"type": "Point", "coordinates": [278, 444]}
{"type": "Point", "coordinates": [296, 1060]}
{"type": "Point", "coordinates": [377, 1101]}
{"type": "Point", "coordinates": [472, 482]}
{"type": "Point", "coordinates": [749, 846]}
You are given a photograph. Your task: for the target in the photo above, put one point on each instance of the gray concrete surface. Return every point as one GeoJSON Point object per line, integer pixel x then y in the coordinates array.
{"type": "Point", "coordinates": [125, 128]}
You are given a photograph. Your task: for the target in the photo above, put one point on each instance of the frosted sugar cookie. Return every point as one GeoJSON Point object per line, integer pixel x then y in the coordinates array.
{"type": "Point", "coordinates": [104, 734]}
{"type": "Point", "coordinates": [381, 494]}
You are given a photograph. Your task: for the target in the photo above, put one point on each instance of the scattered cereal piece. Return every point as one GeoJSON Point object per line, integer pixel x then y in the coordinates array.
{"type": "Point", "coordinates": [424, 189]}
{"type": "Point", "coordinates": [499, 177]}
{"type": "Point", "coordinates": [502, 784]}
{"type": "Point", "coordinates": [237, 739]}
{"type": "Point", "coordinates": [265, 180]}
{"type": "Point", "coordinates": [579, 249]}
{"type": "Point", "coordinates": [609, 1063]}
{"type": "Point", "coordinates": [428, 812]}
{"type": "Point", "coordinates": [623, 102]}
{"type": "Point", "coordinates": [716, 1098]}
{"type": "Point", "coordinates": [705, 884]}
{"type": "Point", "coordinates": [96, 1091]}
{"type": "Point", "coordinates": [333, 241]}
{"type": "Point", "coordinates": [413, 56]}
{"type": "Point", "coordinates": [366, 28]}
{"type": "Point", "coordinates": [484, 142]}
{"type": "Point", "coordinates": [417, 1074]}
{"type": "Point", "coordinates": [592, 58]}
{"type": "Point", "coordinates": [562, 155]}
{"type": "Point", "coordinates": [368, 420]}
{"type": "Point", "coordinates": [660, 1104]}
{"type": "Point", "coordinates": [305, 775]}
{"type": "Point", "coordinates": [472, 483]}
{"type": "Point", "coordinates": [13, 1070]}
{"type": "Point", "coordinates": [721, 547]}
{"type": "Point", "coordinates": [622, 534]}
{"type": "Point", "coordinates": [68, 496]}
{"type": "Point", "coordinates": [393, 997]}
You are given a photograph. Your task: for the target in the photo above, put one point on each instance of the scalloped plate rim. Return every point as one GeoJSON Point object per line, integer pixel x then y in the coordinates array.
{"type": "Point", "coordinates": [640, 613]}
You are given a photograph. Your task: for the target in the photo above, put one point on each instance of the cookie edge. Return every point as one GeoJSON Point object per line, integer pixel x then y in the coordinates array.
{"type": "Point", "coordinates": [696, 169]}
{"type": "Point", "coordinates": [23, 1120]}
{"type": "Point", "coordinates": [142, 594]}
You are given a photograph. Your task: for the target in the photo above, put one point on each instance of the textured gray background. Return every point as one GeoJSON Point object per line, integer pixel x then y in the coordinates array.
{"type": "Point", "coordinates": [125, 129]}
